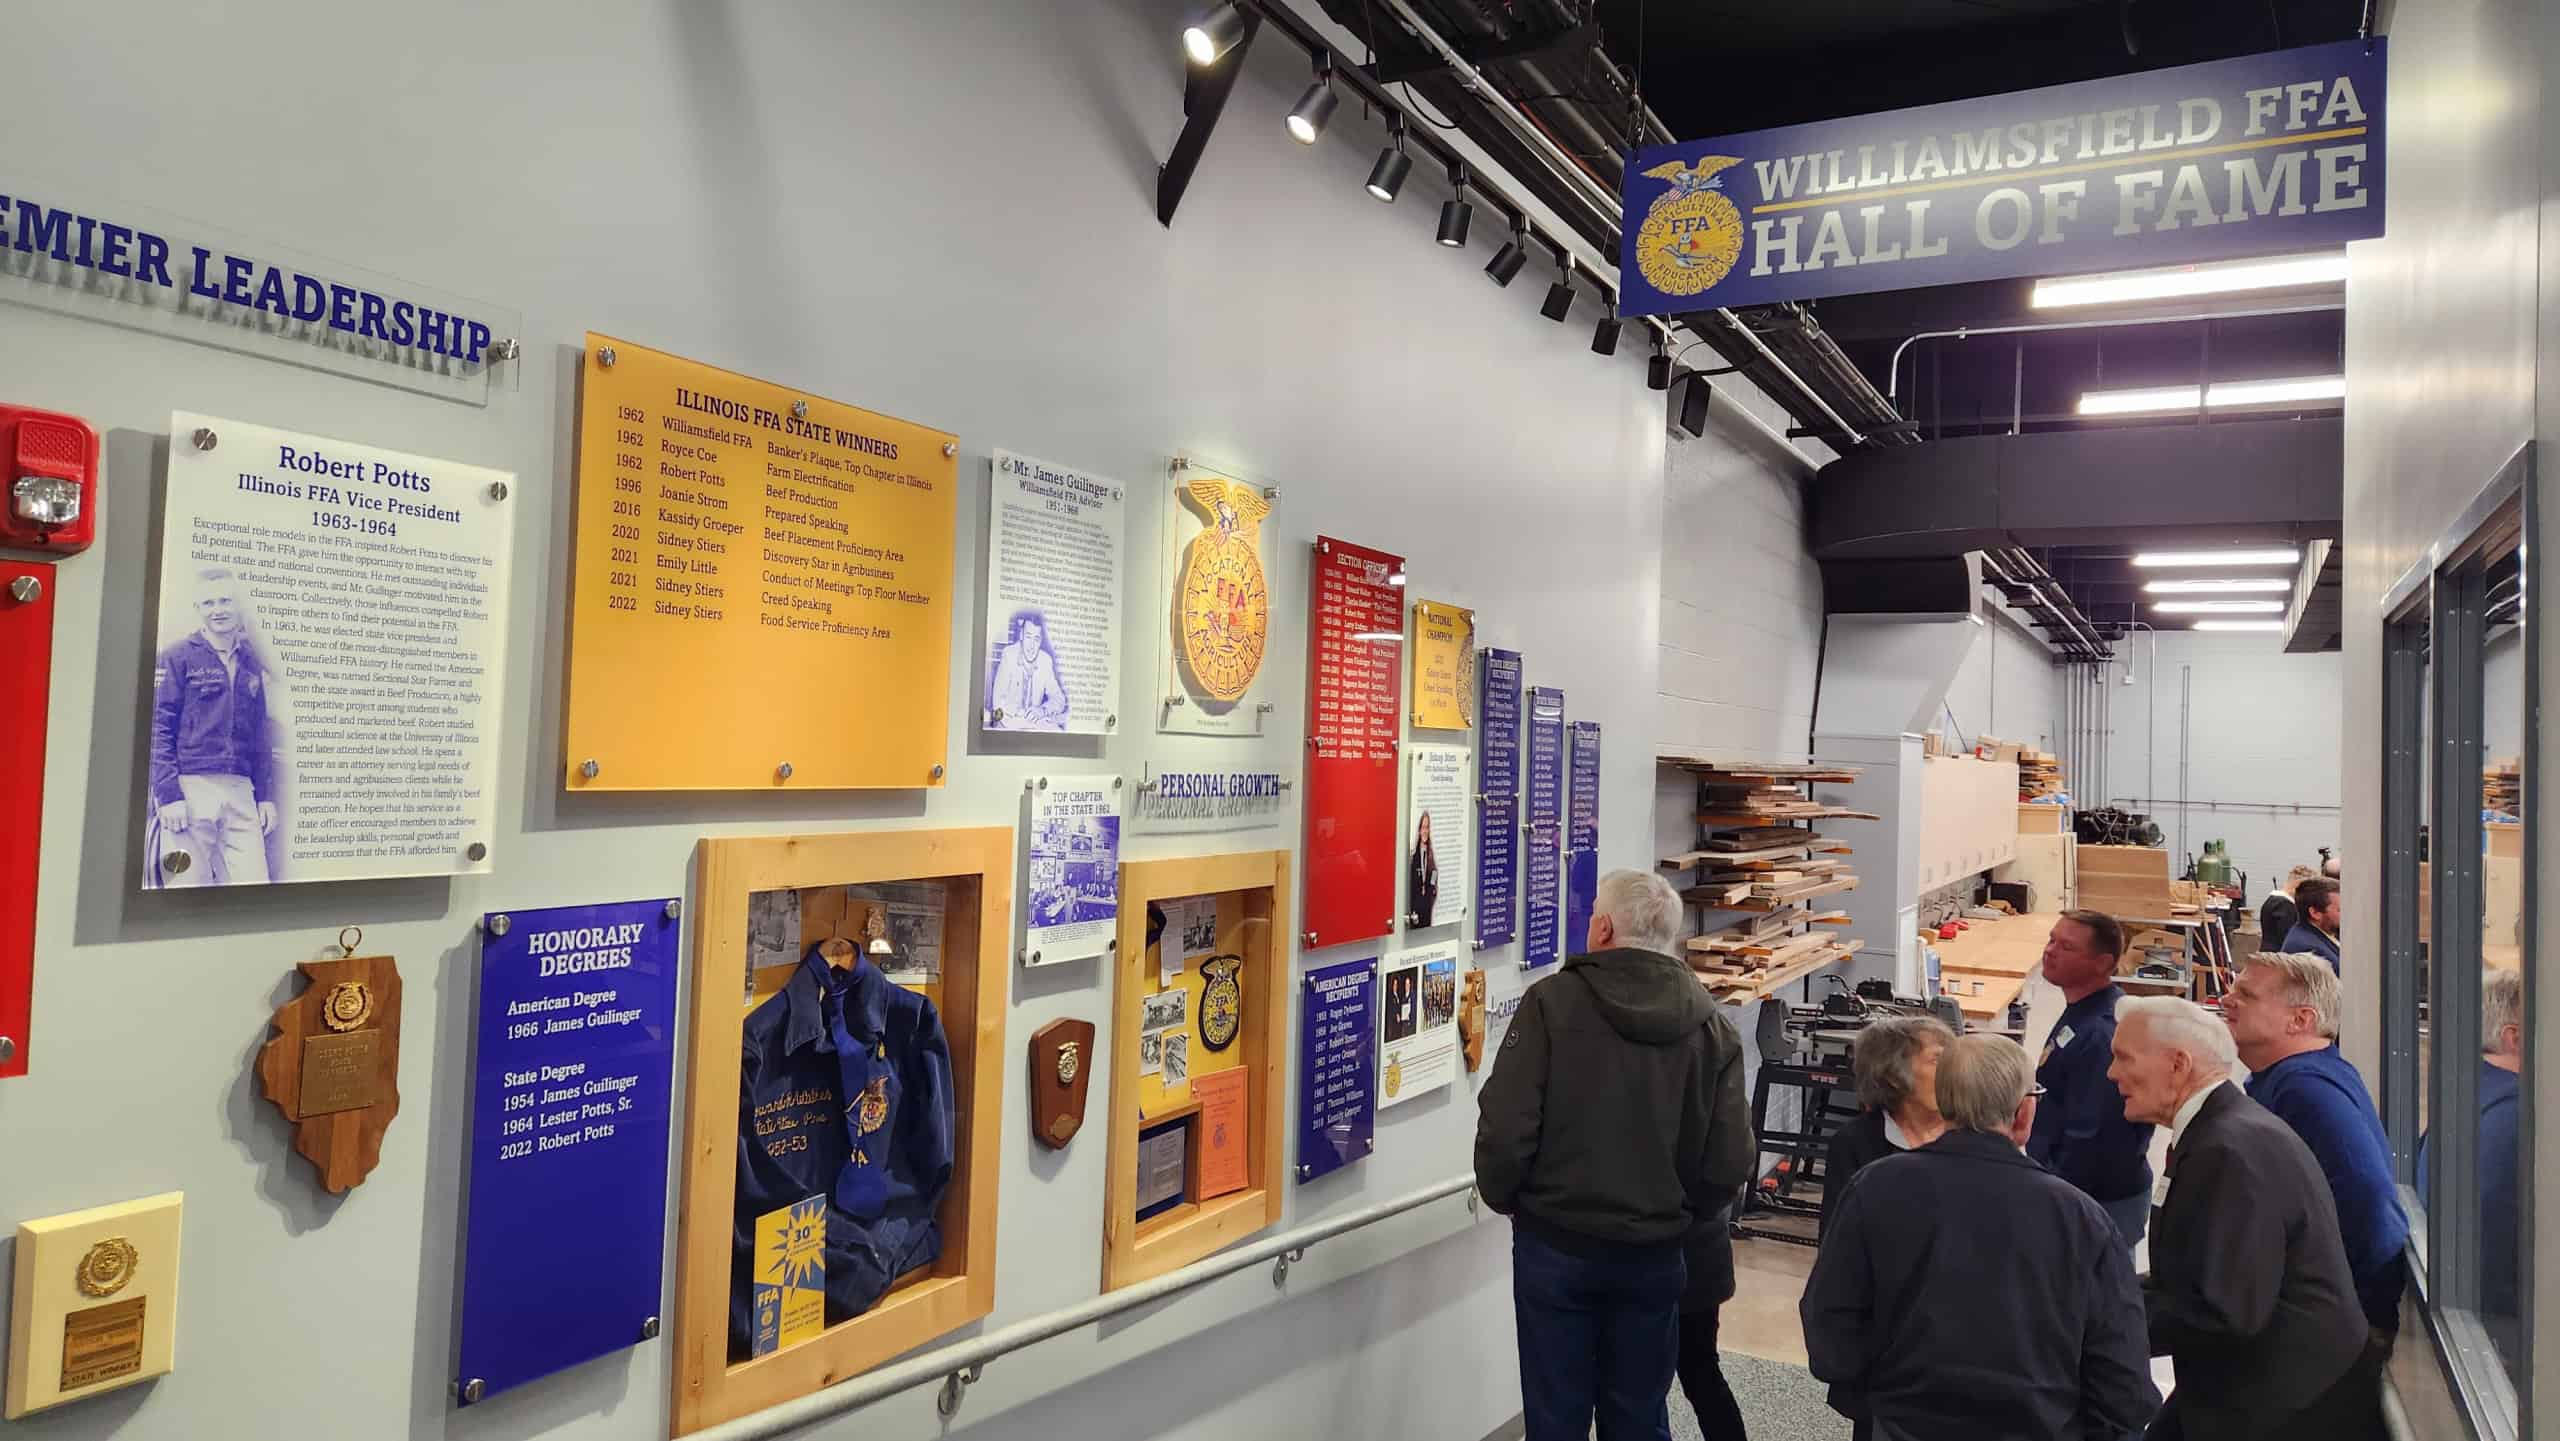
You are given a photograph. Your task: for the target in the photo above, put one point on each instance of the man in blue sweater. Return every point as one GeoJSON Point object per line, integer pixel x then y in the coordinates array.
{"type": "Point", "coordinates": [2283, 1014]}
{"type": "Point", "coordinates": [2501, 1126]}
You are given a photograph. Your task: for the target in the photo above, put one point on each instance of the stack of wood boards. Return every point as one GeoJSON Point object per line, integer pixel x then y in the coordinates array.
{"type": "Point", "coordinates": [2126, 881]}
{"type": "Point", "coordinates": [1751, 960]}
{"type": "Point", "coordinates": [2039, 774]}
{"type": "Point", "coordinates": [1757, 853]}
{"type": "Point", "coordinates": [2502, 787]}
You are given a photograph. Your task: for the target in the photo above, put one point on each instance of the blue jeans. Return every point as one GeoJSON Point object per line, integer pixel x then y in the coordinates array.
{"type": "Point", "coordinates": [1598, 1338]}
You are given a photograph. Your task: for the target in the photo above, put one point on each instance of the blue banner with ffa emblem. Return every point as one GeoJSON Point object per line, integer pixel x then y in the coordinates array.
{"type": "Point", "coordinates": [566, 1243]}
{"type": "Point", "coordinates": [2256, 155]}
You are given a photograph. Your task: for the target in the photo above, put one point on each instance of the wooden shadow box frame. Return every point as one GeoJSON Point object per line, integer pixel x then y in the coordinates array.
{"type": "Point", "coordinates": [976, 867]}
{"type": "Point", "coordinates": [1253, 920]}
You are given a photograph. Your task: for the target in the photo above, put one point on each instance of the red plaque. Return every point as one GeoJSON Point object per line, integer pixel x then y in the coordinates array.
{"type": "Point", "coordinates": [26, 683]}
{"type": "Point", "coordinates": [1355, 692]}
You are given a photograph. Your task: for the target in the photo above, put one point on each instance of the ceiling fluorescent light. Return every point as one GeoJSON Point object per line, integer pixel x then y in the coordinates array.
{"type": "Point", "coordinates": [2218, 607]}
{"type": "Point", "coordinates": [2260, 625]}
{"type": "Point", "coordinates": [2193, 559]}
{"type": "Point", "coordinates": [2263, 586]}
{"type": "Point", "coordinates": [2222, 395]}
{"type": "Point", "coordinates": [2281, 272]}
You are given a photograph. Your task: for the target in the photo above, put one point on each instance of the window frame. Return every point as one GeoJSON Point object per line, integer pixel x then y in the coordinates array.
{"type": "Point", "coordinates": [2446, 589]}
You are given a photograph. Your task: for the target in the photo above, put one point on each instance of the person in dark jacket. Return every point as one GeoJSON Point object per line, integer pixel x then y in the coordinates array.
{"type": "Point", "coordinates": [1895, 1063]}
{"type": "Point", "coordinates": [2501, 1124]}
{"type": "Point", "coordinates": [2283, 1015]}
{"type": "Point", "coordinates": [1964, 1293]}
{"type": "Point", "coordinates": [213, 786]}
{"type": "Point", "coordinates": [1422, 876]}
{"type": "Point", "coordinates": [2249, 1293]}
{"type": "Point", "coordinates": [2316, 933]}
{"type": "Point", "coordinates": [1709, 1254]}
{"type": "Point", "coordinates": [2082, 1133]}
{"type": "Point", "coordinates": [1612, 1129]}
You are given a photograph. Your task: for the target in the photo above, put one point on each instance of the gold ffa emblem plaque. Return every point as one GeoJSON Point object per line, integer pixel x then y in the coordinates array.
{"type": "Point", "coordinates": [1067, 1064]}
{"type": "Point", "coordinates": [349, 1005]}
{"type": "Point", "coordinates": [1223, 605]}
{"type": "Point", "coordinates": [1221, 1002]}
{"type": "Point", "coordinates": [106, 1268]}
{"type": "Point", "coordinates": [1692, 233]}
{"type": "Point", "coordinates": [871, 1111]}
{"type": "Point", "coordinates": [1059, 1078]}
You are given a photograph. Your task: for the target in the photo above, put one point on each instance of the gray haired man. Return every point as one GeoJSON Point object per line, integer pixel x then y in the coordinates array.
{"type": "Point", "coordinates": [1964, 1291]}
{"type": "Point", "coordinates": [1612, 1128]}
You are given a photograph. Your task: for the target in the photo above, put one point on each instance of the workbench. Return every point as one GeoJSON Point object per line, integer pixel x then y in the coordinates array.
{"type": "Point", "coordinates": [1985, 967]}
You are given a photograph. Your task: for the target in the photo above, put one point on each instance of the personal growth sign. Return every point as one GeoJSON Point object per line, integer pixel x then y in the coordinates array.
{"type": "Point", "coordinates": [2251, 156]}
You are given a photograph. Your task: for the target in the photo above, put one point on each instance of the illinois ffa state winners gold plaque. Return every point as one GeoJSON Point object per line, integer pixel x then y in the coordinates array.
{"type": "Point", "coordinates": [1223, 603]}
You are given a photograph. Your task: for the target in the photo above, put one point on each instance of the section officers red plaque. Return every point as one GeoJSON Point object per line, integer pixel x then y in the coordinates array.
{"type": "Point", "coordinates": [1355, 677]}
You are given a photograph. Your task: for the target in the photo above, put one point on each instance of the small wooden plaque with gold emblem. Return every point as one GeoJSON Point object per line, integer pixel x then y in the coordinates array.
{"type": "Point", "coordinates": [1471, 1017]}
{"type": "Point", "coordinates": [333, 1066]}
{"type": "Point", "coordinates": [1061, 1070]}
{"type": "Point", "coordinates": [94, 1303]}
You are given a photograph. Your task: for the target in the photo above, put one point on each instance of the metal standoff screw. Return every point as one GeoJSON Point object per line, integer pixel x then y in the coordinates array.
{"type": "Point", "coordinates": [799, 410]}
{"type": "Point", "coordinates": [674, 909]}
{"type": "Point", "coordinates": [604, 357]}
{"type": "Point", "coordinates": [950, 448]}
{"type": "Point", "coordinates": [471, 1390]}
{"type": "Point", "coordinates": [1035, 958]}
{"type": "Point", "coordinates": [1391, 923]}
{"type": "Point", "coordinates": [8, 1050]}
{"type": "Point", "coordinates": [1307, 936]}
{"type": "Point", "coordinates": [1305, 1170]}
{"type": "Point", "coordinates": [1473, 1196]}
{"type": "Point", "coordinates": [507, 349]}
{"type": "Point", "coordinates": [477, 850]}
{"type": "Point", "coordinates": [26, 590]}
{"type": "Point", "coordinates": [937, 772]}
{"type": "Point", "coordinates": [783, 770]}
{"type": "Point", "coordinates": [1271, 492]}
{"type": "Point", "coordinates": [1118, 781]}
{"type": "Point", "coordinates": [1111, 720]}
{"type": "Point", "coordinates": [1264, 709]}
{"type": "Point", "coordinates": [649, 1329]}
{"type": "Point", "coordinates": [590, 769]}
{"type": "Point", "coordinates": [1173, 700]}
{"type": "Point", "coordinates": [500, 924]}
{"type": "Point", "coordinates": [497, 490]}
{"type": "Point", "coordinates": [1028, 783]}
{"type": "Point", "coordinates": [1044, 783]}
{"type": "Point", "coordinates": [204, 438]}
{"type": "Point", "coordinates": [176, 862]}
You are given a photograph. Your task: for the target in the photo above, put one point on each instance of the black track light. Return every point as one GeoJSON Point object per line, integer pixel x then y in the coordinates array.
{"type": "Point", "coordinates": [1693, 405]}
{"type": "Point", "coordinates": [1307, 117]}
{"type": "Point", "coordinates": [1657, 371]}
{"type": "Point", "coordinates": [1456, 213]}
{"type": "Point", "coordinates": [1559, 295]}
{"type": "Point", "coordinates": [1514, 254]}
{"type": "Point", "coordinates": [1386, 178]}
{"type": "Point", "coordinates": [1212, 33]}
{"type": "Point", "coordinates": [1604, 339]}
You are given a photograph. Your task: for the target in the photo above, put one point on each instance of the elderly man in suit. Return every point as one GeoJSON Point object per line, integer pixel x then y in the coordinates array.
{"type": "Point", "coordinates": [2249, 1292]}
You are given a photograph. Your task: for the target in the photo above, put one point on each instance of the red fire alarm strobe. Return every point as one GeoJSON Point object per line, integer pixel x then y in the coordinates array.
{"type": "Point", "coordinates": [49, 463]}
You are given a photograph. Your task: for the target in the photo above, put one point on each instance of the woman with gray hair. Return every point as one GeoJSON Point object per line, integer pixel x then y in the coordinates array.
{"type": "Point", "coordinates": [1896, 1066]}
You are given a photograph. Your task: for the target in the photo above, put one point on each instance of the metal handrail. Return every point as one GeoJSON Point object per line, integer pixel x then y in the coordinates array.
{"type": "Point", "coordinates": [959, 1366]}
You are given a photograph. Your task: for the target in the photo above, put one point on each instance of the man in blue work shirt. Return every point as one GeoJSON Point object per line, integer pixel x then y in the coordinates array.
{"type": "Point", "coordinates": [2501, 1120]}
{"type": "Point", "coordinates": [2081, 1133]}
{"type": "Point", "coordinates": [2283, 1015]}
{"type": "Point", "coordinates": [2316, 933]}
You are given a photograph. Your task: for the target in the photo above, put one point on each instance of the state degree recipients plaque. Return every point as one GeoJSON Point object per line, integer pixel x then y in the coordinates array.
{"type": "Point", "coordinates": [762, 592]}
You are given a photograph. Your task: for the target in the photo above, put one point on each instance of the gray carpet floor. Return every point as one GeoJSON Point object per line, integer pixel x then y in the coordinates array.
{"type": "Point", "coordinates": [1779, 1403]}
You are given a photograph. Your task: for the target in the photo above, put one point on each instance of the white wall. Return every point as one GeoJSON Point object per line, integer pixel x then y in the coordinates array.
{"type": "Point", "coordinates": [2262, 746]}
{"type": "Point", "coordinates": [945, 212]}
{"type": "Point", "coordinates": [2008, 685]}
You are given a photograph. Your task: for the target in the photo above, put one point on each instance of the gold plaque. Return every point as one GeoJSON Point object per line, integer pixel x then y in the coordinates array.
{"type": "Point", "coordinates": [1221, 1002]}
{"type": "Point", "coordinates": [102, 1343]}
{"type": "Point", "coordinates": [341, 1073]}
{"type": "Point", "coordinates": [350, 1005]}
{"type": "Point", "coordinates": [107, 1267]}
{"type": "Point", "coordinates": [1224, 604]}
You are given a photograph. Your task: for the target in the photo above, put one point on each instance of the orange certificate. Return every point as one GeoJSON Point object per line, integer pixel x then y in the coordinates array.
{"type": "Point", "coordinates": [1222, 1131]}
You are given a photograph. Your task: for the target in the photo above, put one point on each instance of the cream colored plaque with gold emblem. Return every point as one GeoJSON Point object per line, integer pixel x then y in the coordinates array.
{"type": "Point", "coordinates": [95, 1303]}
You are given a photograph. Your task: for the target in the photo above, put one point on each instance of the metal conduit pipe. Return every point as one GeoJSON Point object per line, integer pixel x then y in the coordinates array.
{"type": "Point", "coordinates": [1893, 368]}
{"type": "Point", "coordinates": [1570, 172]}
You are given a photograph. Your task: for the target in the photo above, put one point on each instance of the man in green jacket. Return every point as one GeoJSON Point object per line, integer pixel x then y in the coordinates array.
{"type": "Point", "coordinates": [1612, 1128]}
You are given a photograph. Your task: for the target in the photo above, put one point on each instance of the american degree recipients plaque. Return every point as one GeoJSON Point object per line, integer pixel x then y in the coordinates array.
{"type": "Point", "coordinates": [762, 594]}
{"type": "Point", "coordinates": [1337, 1067]}
{"type": "Point", "coordinates": [566, 1244]}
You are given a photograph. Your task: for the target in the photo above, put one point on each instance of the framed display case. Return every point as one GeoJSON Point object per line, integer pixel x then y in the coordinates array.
{"type": "Point", "coordinates": [1199, 1055]}
{"type": "Point", "coordinates": [844, 1097]}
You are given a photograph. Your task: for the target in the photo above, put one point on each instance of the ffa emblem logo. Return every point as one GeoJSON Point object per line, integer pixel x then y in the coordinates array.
{"type": "Point", "coordinates": [349, 1004]}
{"type": "Point", "coordinates": [1067, 1063]}
{"type": "Point", "coordinates": [107, 1267]}
{"type": "Point", "coordinates": [1221, 1002]}
{"type": "Point", "coordinates": [1224, 604]}
{"type": "Point", "coordinates": [1692, 233]}
{"type": "Point", "coordinates": [250, 683]}
{"type": "Point", "coordinates": [871, 1109]}
{"type": "Point", "coordinates": [1395, 1078]}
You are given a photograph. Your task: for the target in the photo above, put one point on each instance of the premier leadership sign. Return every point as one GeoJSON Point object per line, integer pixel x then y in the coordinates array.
{"type": "Point", "coordinates": [2250, 156]}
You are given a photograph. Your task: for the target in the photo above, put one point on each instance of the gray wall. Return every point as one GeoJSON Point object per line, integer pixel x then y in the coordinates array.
{"type": "Point", "coordinates": [2448, 316]}
{"type": "Point", "coordinates": [2008, 685]}
{"type": "Point", "coordinates": [944, 212]}
{"type": "Point", "coordinates": [2263, 762]}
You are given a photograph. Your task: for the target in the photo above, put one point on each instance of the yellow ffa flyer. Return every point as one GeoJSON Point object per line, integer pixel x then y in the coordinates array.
{"type": "Point", "coordinates": [791, 1275]}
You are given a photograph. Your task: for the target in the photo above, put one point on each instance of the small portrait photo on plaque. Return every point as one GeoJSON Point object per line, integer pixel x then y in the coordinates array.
{"type": "Point", "coordinates": [1403, 1011]}
{"type": "Point", "coordinates": [218, 758]}
{"type": "Point", "coordinates": [1024, 691]}
{"type": "Point", "coordinates": [1439, 992]}
{"type": "Point", "coordinates": [1177, 1060]}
